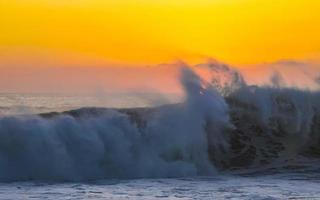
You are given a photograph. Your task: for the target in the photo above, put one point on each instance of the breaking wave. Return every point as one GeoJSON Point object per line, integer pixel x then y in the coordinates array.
{"type": "Point", "coordinates": [215, 128]}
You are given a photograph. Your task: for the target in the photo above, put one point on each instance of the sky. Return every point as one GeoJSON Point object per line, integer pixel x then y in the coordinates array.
{"type": "Point", "coordinates": [68, 37]}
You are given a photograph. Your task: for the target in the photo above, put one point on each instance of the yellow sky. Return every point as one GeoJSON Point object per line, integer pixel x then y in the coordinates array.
{"type": "Point", "coordinates": [155, 31]}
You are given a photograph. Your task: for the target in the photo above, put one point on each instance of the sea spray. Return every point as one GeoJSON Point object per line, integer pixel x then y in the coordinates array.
{"type": "Point", "coordinates": [211, 130]}
{"type": "Point", "coordinates": [172, 143]}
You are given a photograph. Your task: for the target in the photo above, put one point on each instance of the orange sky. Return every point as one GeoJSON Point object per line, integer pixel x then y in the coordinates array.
{"type": "Point", "coordinates": [52, 34]}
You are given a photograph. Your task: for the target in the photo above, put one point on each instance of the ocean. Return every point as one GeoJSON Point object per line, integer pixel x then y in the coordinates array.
{"type": "Point", "coordinates": [247, 143]}
{"type": "Point", "coordinates": [265, 187]}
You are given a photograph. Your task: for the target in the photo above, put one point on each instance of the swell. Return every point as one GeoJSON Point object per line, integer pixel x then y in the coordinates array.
{"type": "Point", "coordinates": [208, 132]}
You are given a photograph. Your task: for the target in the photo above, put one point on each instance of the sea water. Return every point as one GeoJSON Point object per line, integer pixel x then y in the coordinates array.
{"type": "Point", "coordinates": [157, 153]}
{"type": "Point", "coordinates": [264, 187]}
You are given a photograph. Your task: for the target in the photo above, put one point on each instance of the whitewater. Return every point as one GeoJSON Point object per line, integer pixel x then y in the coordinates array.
{"type": "Point", "coordinates": [225, 140]}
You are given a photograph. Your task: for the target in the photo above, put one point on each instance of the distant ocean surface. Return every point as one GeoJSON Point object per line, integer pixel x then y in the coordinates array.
{"type": "Point", "coordinates": [29, 103]}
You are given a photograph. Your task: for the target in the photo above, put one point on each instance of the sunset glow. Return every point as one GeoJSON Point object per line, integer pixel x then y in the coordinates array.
{"type": "Point", "coordinates": [98, 33]}
{"type": "Point", "coordinates": [152, 32]}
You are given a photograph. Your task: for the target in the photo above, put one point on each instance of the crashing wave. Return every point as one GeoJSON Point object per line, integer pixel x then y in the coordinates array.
{"type": "Point", "coordinates": [247, 126]}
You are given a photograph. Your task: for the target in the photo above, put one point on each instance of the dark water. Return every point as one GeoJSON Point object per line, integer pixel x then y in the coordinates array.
{"type": "Point", "coordinates": [284, 186]}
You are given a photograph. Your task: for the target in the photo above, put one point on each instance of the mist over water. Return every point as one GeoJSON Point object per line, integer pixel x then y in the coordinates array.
{"type": "Point", "coordinates": [173, 142]}
{"type": "Point", "coordinates": [222, 123]}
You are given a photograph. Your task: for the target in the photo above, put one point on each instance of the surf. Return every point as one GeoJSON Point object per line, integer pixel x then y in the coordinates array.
{"type": "Point", "coordinates": [219, 126]}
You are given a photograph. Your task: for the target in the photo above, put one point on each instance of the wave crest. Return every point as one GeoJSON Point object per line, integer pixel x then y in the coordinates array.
{"type": "Point", "coordinates": [248, 126]}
